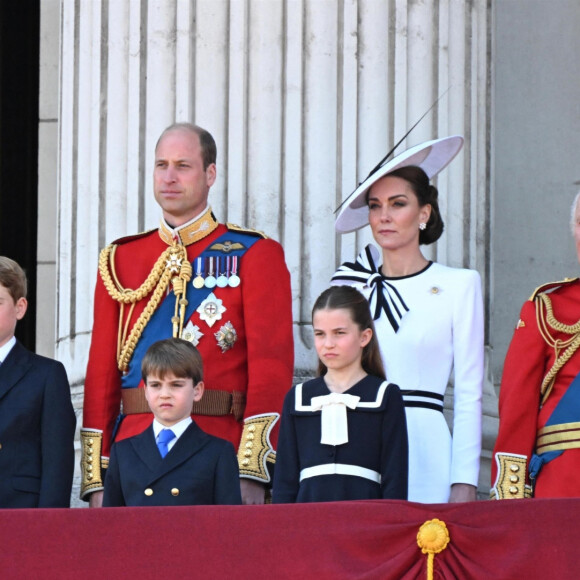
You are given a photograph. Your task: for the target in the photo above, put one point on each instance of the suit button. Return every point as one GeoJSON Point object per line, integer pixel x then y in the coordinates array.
{"type": "Point", "coordinates": [514, 467]}
{"type": "Point", "coordinates": [513, 489]}
{"type": "Point", "coordinates": [148, 491]}
{"type": "Point", "coordinates": [175, 491]}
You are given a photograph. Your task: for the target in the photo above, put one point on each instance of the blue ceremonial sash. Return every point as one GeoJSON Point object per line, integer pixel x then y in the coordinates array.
{"type": "Point", "coordinates": [160, 326]}
{"type": "Point", "coordinates": [567, 411]}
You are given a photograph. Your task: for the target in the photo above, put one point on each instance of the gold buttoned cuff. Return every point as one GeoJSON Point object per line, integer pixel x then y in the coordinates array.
{"type": "Point", "coordinates": [511, 477]}
{"type": "Point", "coordinates": [91, 468]}
{"type": "Point", "coordinates": [255, 450]}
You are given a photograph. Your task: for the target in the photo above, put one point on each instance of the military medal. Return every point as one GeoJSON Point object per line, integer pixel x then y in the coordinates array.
{"type": "Point", "coordinates": [222, 279]}
{"type": "Point", "coordinates": [234, 279]}
{"type": "Point", "coordinates": [226, 336]}
{"type": "Point", "coordinates": [173, 264]}
{"type": "Point", "coordinates": [211, 309]}
{"type": "Point", "coordinates": [192, 333]}
{"type": "Point", "coordinates": [210, 281]}
{"type": "Point", "coordinates": [198, 281]}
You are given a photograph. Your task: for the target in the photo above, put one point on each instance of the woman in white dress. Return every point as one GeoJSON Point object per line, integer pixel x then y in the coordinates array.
{"type": "Point", "coordinates": [428, 318]}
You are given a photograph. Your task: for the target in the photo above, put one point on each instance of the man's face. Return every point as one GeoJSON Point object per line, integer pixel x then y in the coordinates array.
{"type": "Point", "coordinates": [180, 183]}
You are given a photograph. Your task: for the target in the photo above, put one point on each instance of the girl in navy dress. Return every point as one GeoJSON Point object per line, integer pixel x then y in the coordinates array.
{"type": "Point", "coordinates": [343, 435]}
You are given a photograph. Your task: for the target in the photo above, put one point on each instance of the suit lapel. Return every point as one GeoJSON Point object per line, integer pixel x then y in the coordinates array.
{"type": "Point", "coordinates": [145, 447]}
{"type": "Point", "coordinates": [15, 366]}
{"type": "Point", "coordinates": [190, 443]}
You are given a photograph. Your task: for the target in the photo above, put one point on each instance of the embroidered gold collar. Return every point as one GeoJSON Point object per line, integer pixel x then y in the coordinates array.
{"type": "Point", "coordinates": [192, 232]}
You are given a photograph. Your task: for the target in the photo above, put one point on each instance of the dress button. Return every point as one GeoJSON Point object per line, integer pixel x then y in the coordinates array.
{"type": "Point", "coordinates": [513, 490]}
{"type": "Point", "coordinates": [175, 491]}
{"type": "Point", "coordinates": [514, 467]}
{"type": "Point", "coordinates": [148, 491]}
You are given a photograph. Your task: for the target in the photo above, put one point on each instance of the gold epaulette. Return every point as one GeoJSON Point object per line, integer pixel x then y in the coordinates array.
{"type": "Point", "coordinates": [255, 449]}
{"type": "Point", "coordinates": [251, 231]}
{"type": "Point", "coordinates": [511, 477]}
{"type": "Point", "coordinates": [92, 464]}
{"type": "Point", "coordinates": [550, 286]}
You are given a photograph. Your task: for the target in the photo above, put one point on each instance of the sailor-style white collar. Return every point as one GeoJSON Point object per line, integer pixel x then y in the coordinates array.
{"type": "Point", "coordinates": [333, 406]}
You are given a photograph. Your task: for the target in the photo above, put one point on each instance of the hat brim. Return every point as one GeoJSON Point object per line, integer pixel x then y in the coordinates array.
{"type": "Point", "coordinates": [431, 157]}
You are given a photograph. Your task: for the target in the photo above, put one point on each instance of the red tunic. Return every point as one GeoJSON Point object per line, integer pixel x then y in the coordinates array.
{"type": "Point", "coordinates": [529, 359]}
{"type": "Point", "coordinates": [260, 363]}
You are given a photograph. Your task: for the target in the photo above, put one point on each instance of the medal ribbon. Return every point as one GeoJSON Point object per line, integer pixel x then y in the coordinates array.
{"type": "Point", "coordinates": [384, 297]}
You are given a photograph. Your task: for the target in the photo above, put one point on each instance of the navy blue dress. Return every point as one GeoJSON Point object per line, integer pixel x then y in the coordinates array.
{"type": "Point", "coordinates": [373, 464]}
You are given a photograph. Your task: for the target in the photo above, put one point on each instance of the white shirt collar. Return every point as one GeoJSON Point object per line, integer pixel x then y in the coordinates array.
{"type": "Point", "coordinates": [6, 348]}
{"type": "Point", "coordinates": [178, 428]}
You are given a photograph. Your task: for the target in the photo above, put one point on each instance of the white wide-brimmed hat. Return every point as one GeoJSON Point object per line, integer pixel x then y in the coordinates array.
{"type": "Point", "coordinates": [431, 157]}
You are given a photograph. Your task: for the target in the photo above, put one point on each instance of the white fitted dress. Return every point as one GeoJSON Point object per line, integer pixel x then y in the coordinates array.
{"type": "Point", "coordinates": [428, 325]}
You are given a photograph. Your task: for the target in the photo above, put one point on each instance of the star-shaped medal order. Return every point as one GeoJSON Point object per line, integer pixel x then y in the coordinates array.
{"type": "Point", "coordinates": [174, 262]}
{"type": "Point", "coordinates": [226, 336]}
{"type": "Point", "coordinates": [192, 333]}
{"type": "Point", "coordinates": [211, 309]}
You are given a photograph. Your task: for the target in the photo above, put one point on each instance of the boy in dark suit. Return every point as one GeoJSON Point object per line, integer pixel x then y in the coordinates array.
{"type": "Point", "coordinates": [173, 462]}
{"type": "Point", "coordinates": [37, 420]}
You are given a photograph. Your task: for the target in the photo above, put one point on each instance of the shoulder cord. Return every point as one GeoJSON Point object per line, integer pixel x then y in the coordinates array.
{"type": "Point", "coordinates": [158, 282]}
{"type": "Point", "coordinates": [569, 346]}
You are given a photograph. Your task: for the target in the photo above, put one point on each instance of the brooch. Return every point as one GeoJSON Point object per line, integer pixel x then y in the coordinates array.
{"type": "Point", "coordinates": [226, 336]}
{"type": "Point", "coordinates": [211, 309]}
{"type": "Point", "coordinates": [192, 333]}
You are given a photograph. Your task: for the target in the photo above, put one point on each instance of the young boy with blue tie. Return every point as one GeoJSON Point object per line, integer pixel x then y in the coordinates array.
{"type": "Point", "coordinates": [173, 462]}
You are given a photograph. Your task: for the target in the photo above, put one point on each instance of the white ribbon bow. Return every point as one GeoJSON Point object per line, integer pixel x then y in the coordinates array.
{"type": "Point", "coordinates": [333, 420]}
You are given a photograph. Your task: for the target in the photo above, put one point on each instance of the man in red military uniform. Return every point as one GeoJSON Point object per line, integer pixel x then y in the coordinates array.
{"type": "Point", "coordinates": [537, 451]}
{"type": "Point", "coordinates": [224, 288]}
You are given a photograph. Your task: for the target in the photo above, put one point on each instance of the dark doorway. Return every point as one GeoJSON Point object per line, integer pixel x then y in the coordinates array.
{"type": "Point", "coordinates": [19, 78]}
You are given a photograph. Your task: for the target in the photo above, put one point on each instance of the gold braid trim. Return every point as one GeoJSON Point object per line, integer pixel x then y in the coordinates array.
{"type": "Point", "coordinates": [510, 481]}
{"type": "Point", "coordinates": [91, 468]}
{"type": "Point", "coordinates": [569, 346]}
{"type": "Point", "coordinates": [124, 295]}
{"type": "Point", "coordinates": [556, 324]}
{"type": "Point", "coordinates": [172, 260]}
{"type": "Point", "coordinates": [255, 447]}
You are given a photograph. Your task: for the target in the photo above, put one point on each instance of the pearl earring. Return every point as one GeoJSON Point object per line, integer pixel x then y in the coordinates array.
{"type": "Point", "coordinates": [422, 226]}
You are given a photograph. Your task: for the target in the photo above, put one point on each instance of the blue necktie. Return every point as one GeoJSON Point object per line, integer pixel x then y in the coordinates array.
{"type": "Point", "coordinates": [163, 439]}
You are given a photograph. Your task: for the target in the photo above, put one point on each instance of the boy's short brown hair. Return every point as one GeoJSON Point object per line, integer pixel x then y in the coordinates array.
{"type": "Point", "coordinates": [172, 355]}
{"type": "Point", "coordinates": [13, 278]}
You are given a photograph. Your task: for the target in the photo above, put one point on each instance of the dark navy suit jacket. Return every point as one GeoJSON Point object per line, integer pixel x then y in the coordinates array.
{"type": "Point", "coordinates": [37, 427]}
{"type": "Point", "coordinates": [199, 469]}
